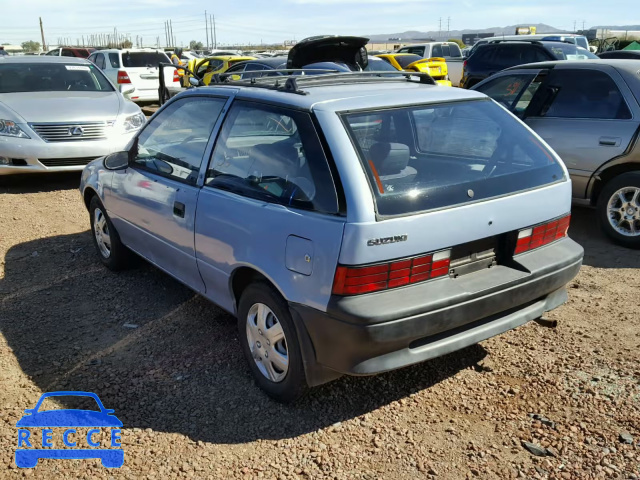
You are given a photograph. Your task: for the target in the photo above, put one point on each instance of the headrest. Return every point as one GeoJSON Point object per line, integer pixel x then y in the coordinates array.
{"type": "Point", "coordinates": [389, 158]}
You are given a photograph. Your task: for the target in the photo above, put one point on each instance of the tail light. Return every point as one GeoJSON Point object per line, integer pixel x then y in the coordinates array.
{"type": "Point", "coordinates": [543, 234]}
{"type": "Point", "coordinates": [357, 280]}
{"type": "Point", "coordinates": [464, 64]}
{"type": "Point", "coordinates": [176, 76]}
{"type": "Point", "coordinates": [123, 77]}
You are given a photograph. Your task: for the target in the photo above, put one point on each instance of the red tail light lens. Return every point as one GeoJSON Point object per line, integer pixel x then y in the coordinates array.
{"type": "Point", "coordinates": [358, 280]}
{"type": "Point", "coordinates": [543, 234]}
{"type": "Point", "coordinates": [464, 64]}
{"type": "Point", "coordinates": [123, 77]}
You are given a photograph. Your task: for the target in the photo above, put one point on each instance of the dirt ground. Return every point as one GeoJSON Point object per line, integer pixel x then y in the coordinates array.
{"type": "Point", "coordinates": [181, 387]}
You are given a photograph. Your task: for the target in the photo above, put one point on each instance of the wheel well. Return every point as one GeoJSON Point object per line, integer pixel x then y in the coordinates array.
{"type": "Point", "coordinates": [242, 278]}
{"type": "Point", "coordinates": [607, 175]}
{"type": "Point", "coordinates": [88, 194]}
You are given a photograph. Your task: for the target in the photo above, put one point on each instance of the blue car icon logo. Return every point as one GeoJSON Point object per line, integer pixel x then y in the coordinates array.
{"type": "Point", "coordinates": [69, 419]}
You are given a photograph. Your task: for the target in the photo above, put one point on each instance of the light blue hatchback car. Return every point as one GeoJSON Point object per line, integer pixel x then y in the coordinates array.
{"type": "Point", "coordinates": [353, 223]}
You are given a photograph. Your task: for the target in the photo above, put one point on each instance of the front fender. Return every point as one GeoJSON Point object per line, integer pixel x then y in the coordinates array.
{"type": "Point", "coordinates": [94, 178]}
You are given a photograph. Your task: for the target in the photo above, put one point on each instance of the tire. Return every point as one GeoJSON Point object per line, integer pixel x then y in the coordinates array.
{"type": "Point", "coordinates": [114, 256]}
{"type": "Point", "coordinates": [620, 198]}
{"type": "Point", "coordinates": [282, 385]}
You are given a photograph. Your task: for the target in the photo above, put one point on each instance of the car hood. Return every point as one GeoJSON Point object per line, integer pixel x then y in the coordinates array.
{"type": "Point", "coordinates": [328, 48]}
{"type": "Point", "coordinates": [69, 418]}
{"type": "Point", "coordinates": [61, 106]}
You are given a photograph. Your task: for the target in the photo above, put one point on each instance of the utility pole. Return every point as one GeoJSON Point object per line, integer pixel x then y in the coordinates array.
{"type": "Point", "coordinates": [206, 27]}
{"type": "Point", "coordinates": [215, 41]}
{"type": "Point", "coordinates": [574, 26]}
{"type": "Point", "coordinates": [171, 37]}
{"type": "Point", "coordinates": [213, 33]}
{"type": "Point", "coordinates": [583, 22]}
{"type": "Point", "coordinates": [440, 29]}
{"type": "Point", "coordinates": [448, 25]}
{"type": "Point", "coordinates": [44, 45]}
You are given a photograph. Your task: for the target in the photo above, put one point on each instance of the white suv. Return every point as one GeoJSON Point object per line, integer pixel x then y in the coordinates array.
{"type": "Point", "coordinates": [135, 72]}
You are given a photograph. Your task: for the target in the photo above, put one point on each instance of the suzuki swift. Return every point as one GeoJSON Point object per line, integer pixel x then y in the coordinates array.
{"type": "Point", "coordinates": [353, 223]}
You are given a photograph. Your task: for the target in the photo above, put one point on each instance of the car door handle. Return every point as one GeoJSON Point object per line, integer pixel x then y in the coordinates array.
{"type": "Point", "coordinates": [178, 209]}
{"type": "Point", "coordinates": [610, 141]}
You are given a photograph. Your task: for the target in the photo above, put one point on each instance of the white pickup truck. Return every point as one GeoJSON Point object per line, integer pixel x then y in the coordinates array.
{"type": "Point", "coordinates": [448, 50]}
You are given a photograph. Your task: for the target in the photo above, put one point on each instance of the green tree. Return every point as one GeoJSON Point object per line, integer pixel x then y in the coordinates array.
{"type": "Point", "coordinates": [193, 45]}
{"type": "Point", "coordinates": [458, 41]}
{"type": "Point", "coordinates": [30, 46]}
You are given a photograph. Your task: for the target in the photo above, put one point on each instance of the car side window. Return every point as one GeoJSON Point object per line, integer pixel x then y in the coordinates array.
{"type": "Point", "coordinates": [583, 93]}
{"type": "Point", "coordinates": [100, 61]}
{"type": "Point", "coordinates": [54, 53]}
{"type": "Point", "coordinates": [67, 53]}
{"type": "Point", "coordinates": [507, 89]}
{"type": "Point", "coordinates": [254, 71]}
{"type": "Point", "coordinates": [114, 60]}
{"type": "Point", "coordinates": [455, 51]}
{"type": "Point", "coordinates": [272, 154]}
{"type": "Point", "coordinates": [173, 143]}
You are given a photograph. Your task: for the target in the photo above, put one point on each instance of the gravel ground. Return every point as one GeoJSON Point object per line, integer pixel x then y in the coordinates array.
{"type": "Point", "coordinates": [181, 387]}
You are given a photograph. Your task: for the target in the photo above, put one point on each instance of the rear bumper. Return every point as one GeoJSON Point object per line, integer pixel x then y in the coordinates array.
{"type": "Point", "coordinates": [374, 333]}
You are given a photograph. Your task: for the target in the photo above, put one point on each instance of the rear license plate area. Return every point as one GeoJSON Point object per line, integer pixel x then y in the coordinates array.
{"type": "Point", "coordinates": [474, 256]}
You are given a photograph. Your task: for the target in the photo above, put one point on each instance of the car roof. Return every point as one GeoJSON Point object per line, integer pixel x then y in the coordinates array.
{"type": "Point", "coordinates": [347, 96]}
{"type": "Point", "coordinates": [43, 59]}
{"type": "Point", "coordinates": [628, 69]}
{"type": "Point", "coordinates": [271, 61]}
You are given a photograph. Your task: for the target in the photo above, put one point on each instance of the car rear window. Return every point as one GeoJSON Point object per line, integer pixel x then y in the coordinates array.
{"type": "Point", "coordinates": [405, 60]}
{"type": "Point", "coordinates": [434, 156]}
{"type": "Point", "coordinates": [569, 51]}
{"type": "Point", "coordinates": [143, 59]}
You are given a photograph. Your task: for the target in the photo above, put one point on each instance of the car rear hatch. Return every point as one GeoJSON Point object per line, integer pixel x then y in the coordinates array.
{"type": "Point", "coordinates": [462, 191]}
{"type": "Point", "coordinates": [329, 48]}
{"type": "Point", "coordinates": [142, 69]}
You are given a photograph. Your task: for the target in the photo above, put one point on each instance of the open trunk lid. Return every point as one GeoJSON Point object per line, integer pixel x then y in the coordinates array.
{"type": "Point", "coordinates": [329, 48]}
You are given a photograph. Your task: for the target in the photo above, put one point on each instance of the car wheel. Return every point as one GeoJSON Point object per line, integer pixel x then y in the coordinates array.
{"type": "Point", "coordinates": [270, 343]}
{"type": "Point", "coordinates": [113, 254]}
{"type": "Point", "coordinates": [619, 209]}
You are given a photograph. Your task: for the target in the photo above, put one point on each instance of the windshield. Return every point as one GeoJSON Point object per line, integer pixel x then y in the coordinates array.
{"type": "Point", "coordinates": [52, 77]}
{"type": "Point", "coordinates": [405, 60]}
{"type": "Point", "coordinates": [379, 65]}
{"type": "Point", "coordinates": [143, 59]}
{"type": "Point", "coordinates": [434, 156]}
{"type": "Point", "coordinates": [569, 51]}
{"type": "Point", "coordinates": [3, 52]}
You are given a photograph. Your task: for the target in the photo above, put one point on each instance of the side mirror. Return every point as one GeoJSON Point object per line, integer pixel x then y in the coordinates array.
{"type": "Point", "coordinates": [117, 161]}
{"type": "Point", "coordinates": [194, 82]}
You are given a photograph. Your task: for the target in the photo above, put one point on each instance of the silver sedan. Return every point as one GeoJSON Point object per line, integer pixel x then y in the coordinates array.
{"type": "Point", "coordinates": [59, 113]}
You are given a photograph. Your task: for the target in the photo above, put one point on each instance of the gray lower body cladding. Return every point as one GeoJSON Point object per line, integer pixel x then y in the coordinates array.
{"type": "Point", "coordinates": [378, 332]}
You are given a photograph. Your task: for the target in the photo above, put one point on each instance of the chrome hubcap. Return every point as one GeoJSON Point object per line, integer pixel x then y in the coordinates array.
{"type": "Point", "coordinates": [624, 211]}
{"type": "Point", "coordinates": [101, 231]}
{"type": "Point", "coordinates": [267, 342]}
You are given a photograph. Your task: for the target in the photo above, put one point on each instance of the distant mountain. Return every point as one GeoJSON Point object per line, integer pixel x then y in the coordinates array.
{"type": "Point", "coordinates": [618, 27]}
{"type": "Point", "coordinates": [435, 34]}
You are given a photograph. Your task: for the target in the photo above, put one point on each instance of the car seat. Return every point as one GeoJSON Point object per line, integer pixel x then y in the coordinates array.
{"type": "Point", "coordinates": [391, 161]}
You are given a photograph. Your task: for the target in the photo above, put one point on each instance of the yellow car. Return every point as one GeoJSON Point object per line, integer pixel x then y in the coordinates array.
{"type": "Point", "coordinates": [409, 62]}
{"type": "Point", "coordinates": [205, 68]}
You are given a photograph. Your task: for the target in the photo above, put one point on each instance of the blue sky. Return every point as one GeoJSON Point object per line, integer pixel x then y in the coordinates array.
{"type": "Point", "coordinates": [276, 20]}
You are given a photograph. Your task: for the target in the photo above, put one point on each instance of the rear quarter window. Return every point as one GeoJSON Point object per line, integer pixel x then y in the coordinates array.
{"type": "Point", "coordinates": [438, 156]}
{"type": "Point", "coordinates": [143, 59]}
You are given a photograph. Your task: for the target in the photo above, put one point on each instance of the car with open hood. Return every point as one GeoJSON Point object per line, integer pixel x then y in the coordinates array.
{"type": "Point", "coordinates": [59, 113]}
